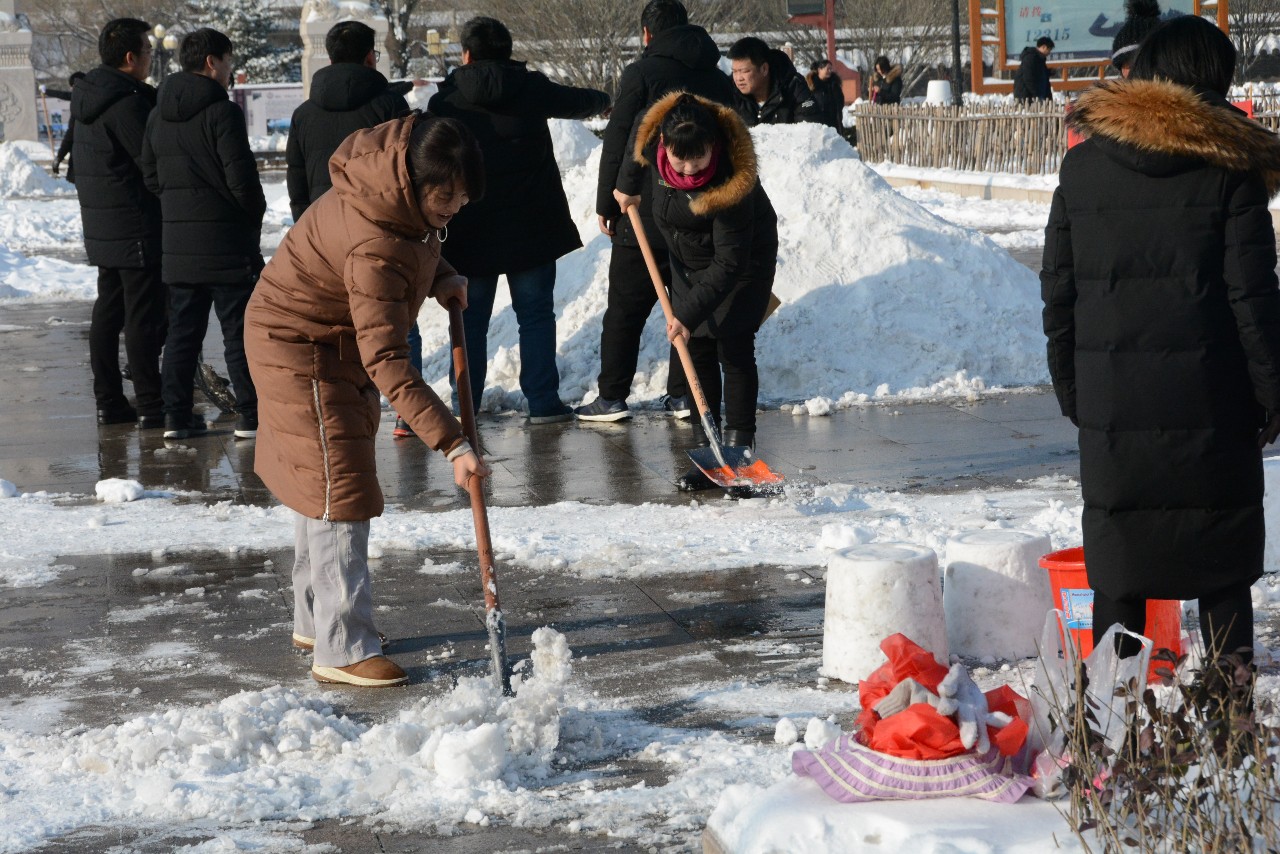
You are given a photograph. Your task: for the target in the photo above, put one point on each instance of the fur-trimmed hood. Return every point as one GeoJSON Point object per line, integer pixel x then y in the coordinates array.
{"type": "Point", "coordinates": [739, 152]}
{"type": "Point", "coordinates": [1165, 118]}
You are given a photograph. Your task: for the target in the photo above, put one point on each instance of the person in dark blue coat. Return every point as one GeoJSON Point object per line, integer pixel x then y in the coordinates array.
{"type": "Point", "coordinates": [722, 233]}
{"type": "Point", "coordinates": [523, 224]}
{"type": "Point", "coordinates": [196, 158]}
{"type": "Point", "coordinates": [121, 219]}
{"type": "Point", "coordinates": [1162, 313]}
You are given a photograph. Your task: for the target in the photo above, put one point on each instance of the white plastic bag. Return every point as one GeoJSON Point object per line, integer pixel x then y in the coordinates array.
{"type": "Point", "coordinates": [1113, 682]}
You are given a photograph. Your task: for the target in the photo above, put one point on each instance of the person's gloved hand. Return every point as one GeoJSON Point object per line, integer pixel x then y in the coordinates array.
{"type": "Point", "coordinates": [961, 697]}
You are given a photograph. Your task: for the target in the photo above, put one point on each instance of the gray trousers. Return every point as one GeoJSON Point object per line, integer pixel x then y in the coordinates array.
{"type": "Point", "coordinates": [332, 599]}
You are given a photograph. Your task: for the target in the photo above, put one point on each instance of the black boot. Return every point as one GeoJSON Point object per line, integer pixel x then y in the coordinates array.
{"type": "Point", "coordinates": [740, 438]}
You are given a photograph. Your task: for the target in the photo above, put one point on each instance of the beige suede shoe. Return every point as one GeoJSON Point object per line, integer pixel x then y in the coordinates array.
{"type": "Point", "coordinates": [376, 672]}
{"type": "Point", "coordinates": [308, 644]}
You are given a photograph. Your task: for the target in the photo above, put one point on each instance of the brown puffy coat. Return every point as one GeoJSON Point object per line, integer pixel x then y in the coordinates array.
{"type": "Point", "coordinates": [326, 331]}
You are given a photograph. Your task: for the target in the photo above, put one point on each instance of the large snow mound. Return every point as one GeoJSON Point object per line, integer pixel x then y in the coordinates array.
{"type": "Point", "coordinates": [877, 293]}
{"type": "Point", "coordinates": [19, 176]}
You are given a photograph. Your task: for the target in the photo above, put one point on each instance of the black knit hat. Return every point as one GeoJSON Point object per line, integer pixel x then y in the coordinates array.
{"type": "Point", "coordinates": [1141, 17]}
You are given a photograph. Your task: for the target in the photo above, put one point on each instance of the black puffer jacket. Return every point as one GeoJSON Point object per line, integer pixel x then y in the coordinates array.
{"type": "Point", "coordinates": [345, 98]}
{"type": "Point", "coordinates": [789, 100]}
{"type": "Point", "coordinates": [196, 157]}
{"type": "Point", "coordinates": [1031, 81]}
{"type": "Point", "coordinates": [682, 58]}
{"type": "Point", "coordinates": [828, 96]}
{"type": "Point", "coordinates": [723, 237]}
{"type": "Point", "coordinates": [121, 217]}
{"type": "Point", "coordinates": [1163, 319]}
{"type": "Point", "coordinates": [523, 221]}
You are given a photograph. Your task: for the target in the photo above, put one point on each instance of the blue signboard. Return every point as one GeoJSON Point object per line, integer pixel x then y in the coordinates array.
{"type": "Point", "coordinates": [1080, 29]}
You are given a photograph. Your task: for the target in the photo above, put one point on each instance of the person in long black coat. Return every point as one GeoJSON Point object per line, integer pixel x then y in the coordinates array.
{"type": "Point", "coordinates": [1162, 314]}
{"type": "Point", "coordinates": [1031, 81]}
{"type": "Point", "coordinates": [121, 220]}
{"type": "Point", "coordinates": [346, 96]}
{"type": "Point", "coordinates": [523, 224]}
{"type": "Point", "coordinates": [677, 55]}
{"type": "Point", "coordinates": [196, 158]}
{"type": "Point", "coordinates": [722, 232]}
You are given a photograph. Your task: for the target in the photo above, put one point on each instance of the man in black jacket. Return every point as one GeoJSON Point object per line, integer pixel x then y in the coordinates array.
{"type": "Point", "coordinates": [121, 223]}
{"type": "Point", "coordinates": [771, 91]}
{"type": "Point", "coordinates": [522, 225]}
{"type": "Point", "coordinates": [68, 138]}
{"type": "Point", "coordinates": [1031, 82]}
{"type": "Point", "coordinates": [196, 158]}
{"type": "Point", "coordinates": [347, 96]}
{"type": "Point", "coordinates": [677, 55]}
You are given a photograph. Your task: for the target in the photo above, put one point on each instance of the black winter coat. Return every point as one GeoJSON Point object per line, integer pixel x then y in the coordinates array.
{"type": "Point", "coordinates": [828, 96]}
{"type": "Point", "coordinates": [345, 98]}
{"type": "Point", "coordinates": [1163, 320]}
{"type": "Point", "coordinates": [789, 100]}
{"type": "Point", "coordinates": [723, 237]}
{"type": "Point", "coordinates": [1031, 81]}
{"type": "Point", "coordinates": [121, 217]}
{"type": "Point", "coordinates": [683, 58]}
{"type": "Point", "coordinates": [523, 221]}
{"type": "Point", "coordinates": [196, 158]}
{"type": "Point", "coordinates": [889, 86]}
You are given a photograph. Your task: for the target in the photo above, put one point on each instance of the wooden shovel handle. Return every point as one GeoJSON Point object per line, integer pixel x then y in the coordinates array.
{"type": "Point", "coordinates": [475, 486]}
{"type": "Point", "coordinates": [682, 347]}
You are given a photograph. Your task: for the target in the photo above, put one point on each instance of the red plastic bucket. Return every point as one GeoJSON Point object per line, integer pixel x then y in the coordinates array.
{"type": "Point", "coordinates": [1074, 597]}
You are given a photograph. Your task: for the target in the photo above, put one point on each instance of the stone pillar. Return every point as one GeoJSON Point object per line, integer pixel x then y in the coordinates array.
{"type": "Point", "coordinates": [318, 16]}
{"type": "Point", "coordinates": [17, 78]}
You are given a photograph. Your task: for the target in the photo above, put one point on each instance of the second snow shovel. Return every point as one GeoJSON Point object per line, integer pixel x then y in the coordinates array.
{"type": "Point", "coordinates": [494, 622]}
{"type": "Point", "coordinates": [727, 466]}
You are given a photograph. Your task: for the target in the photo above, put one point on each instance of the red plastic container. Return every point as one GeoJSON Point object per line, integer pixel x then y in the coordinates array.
{"type": "Point", "coordinates": [1074, 597]}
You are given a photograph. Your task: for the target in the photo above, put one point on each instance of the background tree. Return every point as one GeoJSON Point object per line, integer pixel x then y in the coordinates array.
{"type": "Point", "coordinates": [915, 34]}
{"type": "Point", "coordinates": [1252, 21]}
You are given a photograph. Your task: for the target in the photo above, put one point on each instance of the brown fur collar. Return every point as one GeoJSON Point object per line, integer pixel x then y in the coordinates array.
{"type": "Point", "coordinates": [894, 74]}
{"type": "Point", "coordinates": [740, 151]}
{"type": "Point", "coordinates": [1163, 117]}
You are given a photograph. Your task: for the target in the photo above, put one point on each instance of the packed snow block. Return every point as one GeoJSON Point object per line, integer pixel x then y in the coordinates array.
{"type": "Point", "coordinates": [995, 593]}
{"type": "Point", "coordinates": [874, 591]}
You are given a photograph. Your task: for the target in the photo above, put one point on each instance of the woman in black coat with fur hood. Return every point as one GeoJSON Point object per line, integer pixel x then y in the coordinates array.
{"type": "Point", "coordinates": [1163, 318]}
{"type": "Point", "coordinates": [723, 236]}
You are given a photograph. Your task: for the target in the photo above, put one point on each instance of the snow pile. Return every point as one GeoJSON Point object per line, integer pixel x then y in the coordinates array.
{"type": "Point", "coordinates": [21, 177]}
{"type": "Point", "coordinates": [572, 142]}
{"type": "Point", "coordinates": [115, 490]}
{"type": "Point", "coordinates": [878, 295]}
{"type": "Point", "coordinates": [44, 278]}
{"type": "Point", "coordinates": [276, 754]}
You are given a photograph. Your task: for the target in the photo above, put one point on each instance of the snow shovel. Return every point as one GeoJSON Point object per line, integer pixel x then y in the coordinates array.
{"type": "Point", "coordinates": [494, 621]}
{"type": "Point", "coordinates": [731, 467]}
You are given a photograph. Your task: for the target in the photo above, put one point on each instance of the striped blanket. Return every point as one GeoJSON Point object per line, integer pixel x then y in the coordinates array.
{"type": "Point", "coordinates": [852, 773]}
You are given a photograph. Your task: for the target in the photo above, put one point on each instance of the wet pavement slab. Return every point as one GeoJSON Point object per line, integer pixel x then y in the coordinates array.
{"type": "Point", "coordinates": [117, 636]}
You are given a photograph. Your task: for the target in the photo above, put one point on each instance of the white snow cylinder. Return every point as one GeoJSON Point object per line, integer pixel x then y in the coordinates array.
{"type": "Point", "coordinates": [995, 593]}
{"type": "Point", "coordinates": [938, 92]}
{"type": "Point", "coordinates": [874, 591]}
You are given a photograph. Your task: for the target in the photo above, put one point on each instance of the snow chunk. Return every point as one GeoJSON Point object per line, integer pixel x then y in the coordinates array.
{"type": "Point", "coordinates": [820, 733]}
{"type": "Point", "coordinates": [19, 176]}
{"type": "Point", "coordinates": [116, 490]}
{"type": "Point", "coordinates": [785, 732]}
{"type": "Point", "coordinates": [7, 489]}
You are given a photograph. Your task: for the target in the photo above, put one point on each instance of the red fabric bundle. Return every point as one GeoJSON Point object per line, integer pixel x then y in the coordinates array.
{"type": "Point", "coordinates": [919, 732]}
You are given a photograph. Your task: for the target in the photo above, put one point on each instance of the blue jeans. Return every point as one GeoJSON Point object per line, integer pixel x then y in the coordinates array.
{"type": "Point", "coordinates": [534, 304]}
{"type": "Point", "coordinates": [415, 347]}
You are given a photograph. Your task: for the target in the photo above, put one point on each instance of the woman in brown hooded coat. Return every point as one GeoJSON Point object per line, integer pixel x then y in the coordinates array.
{"type": "Point", "coordinates": [325, 333]}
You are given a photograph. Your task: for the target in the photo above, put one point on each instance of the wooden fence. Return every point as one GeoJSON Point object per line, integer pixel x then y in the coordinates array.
{"type": "Point", "coordinates": [1266, 109]}
{"type": "Point", "coordinates": [1026, 139]}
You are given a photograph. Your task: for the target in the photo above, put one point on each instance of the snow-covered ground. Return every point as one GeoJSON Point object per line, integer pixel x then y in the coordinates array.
{"type": "Point", "coordinates": [909, 293]}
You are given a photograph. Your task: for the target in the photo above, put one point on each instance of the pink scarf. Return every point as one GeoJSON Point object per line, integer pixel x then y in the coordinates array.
{"type": "Point", "coordinates": [686, 182]}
